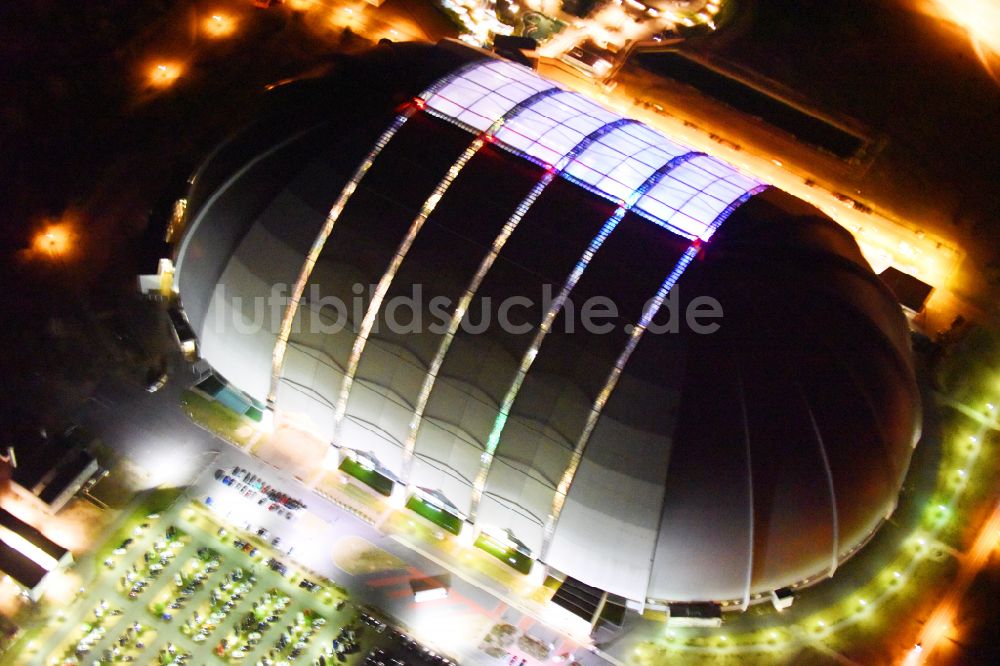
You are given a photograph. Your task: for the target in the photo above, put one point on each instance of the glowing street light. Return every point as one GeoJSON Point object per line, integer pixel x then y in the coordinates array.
{"type": "Point", "coordinates": [219, 25]}
{"type": "Point", "coordinates": [163, 74]}
{"type": "Point", "coordinates": [55, 240]}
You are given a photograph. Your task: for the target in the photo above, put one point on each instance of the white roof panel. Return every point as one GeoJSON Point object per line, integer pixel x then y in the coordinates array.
{"type": "Point", "coordinates": [481, 95]}
{"type": "Point", "coordinates": [552, 127]}
{"type": "Point", "coordinates": [688, 198]}
{"type": "Point", "coordinates": [693, 195]}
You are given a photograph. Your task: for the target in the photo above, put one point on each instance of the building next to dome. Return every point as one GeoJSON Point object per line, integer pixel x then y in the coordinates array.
{"type": "Point", "coordinates": [677, 466]}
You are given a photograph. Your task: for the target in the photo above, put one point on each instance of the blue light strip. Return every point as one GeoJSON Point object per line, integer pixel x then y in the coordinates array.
{"type": "Point", "coordinates": [500, 143]}
{"type": "Point", "coordinates": [486, 459]}
{"type": "Point", "coordinates": [651, 310]}
{"type": "Point", "coordinates": [724, 215]}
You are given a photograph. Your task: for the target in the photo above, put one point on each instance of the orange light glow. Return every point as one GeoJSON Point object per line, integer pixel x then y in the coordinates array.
{"type": "Point", "coordinates": [163, 74]}
{"type": "Point", "coordinates": [941, 621]}
{"type": "Point", "coordinates": [54, 240]}
{"type": "Point", "coordinates": [980, 19]}
{"type": "Point", "coordinates": [219, 25]}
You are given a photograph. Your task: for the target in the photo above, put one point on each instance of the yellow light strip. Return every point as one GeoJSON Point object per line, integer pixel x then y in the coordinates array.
{"type": "Point", "coordinates": [459, 314]}
{"type": "Point", "coordinates": [652, 308]}
{"type": "Point", "coordinates": [513, 221]}
{"type": "Point", "coordinates": [386, 281]}
{"type": "Point", "coordinates": [288, 319]}
{"type": "Point", "coordinates": [425, 211]}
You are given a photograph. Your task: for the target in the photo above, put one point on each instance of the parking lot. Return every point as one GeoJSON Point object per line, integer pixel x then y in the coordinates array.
{"type": "Point", "coordinates": [322, 538]}
{"type": "Point", "coordinates": [183, 588]}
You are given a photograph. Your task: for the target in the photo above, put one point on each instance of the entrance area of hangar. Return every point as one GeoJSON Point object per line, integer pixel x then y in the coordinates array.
{"type": "Point", "coordinates": [604, 611]}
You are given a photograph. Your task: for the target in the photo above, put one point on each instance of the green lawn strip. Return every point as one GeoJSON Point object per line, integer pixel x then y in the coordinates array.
{"type": "Point", "coordinates": [379, 482]}
{"type": "Point", "coordinates": [437, 516]}
{"type": "Point", "coordinates": [20, 642]}
{"type": "Point", "coordinates": [215, 417]}
{"type": "Point", "coordinates": [512, 557]}
{"type": "Point", "coordinates": [960, 522]}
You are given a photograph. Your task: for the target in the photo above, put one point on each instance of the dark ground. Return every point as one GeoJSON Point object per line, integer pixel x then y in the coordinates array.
{"type": "Point", "coordinates": [86, 139]}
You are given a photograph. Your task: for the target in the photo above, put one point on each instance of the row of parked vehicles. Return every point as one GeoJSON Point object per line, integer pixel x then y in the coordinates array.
{"type": "Point", "coordinates": [252, 487]}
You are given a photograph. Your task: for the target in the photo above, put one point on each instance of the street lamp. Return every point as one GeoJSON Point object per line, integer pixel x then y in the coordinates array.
{"type": "Point", "coordinates": [55, 240]}
{"type": "Point", "coordinates": [163, 74]}
{"type": "Point", "coordinates": [219, 25]}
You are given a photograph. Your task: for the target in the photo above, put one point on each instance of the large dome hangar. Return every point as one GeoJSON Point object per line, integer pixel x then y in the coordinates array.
{"type": "Point", "coordinates": [651, 458]}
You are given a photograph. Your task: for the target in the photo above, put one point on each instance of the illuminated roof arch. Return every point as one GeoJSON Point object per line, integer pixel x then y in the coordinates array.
{"type": "Point", "coordinates": [613, 167]}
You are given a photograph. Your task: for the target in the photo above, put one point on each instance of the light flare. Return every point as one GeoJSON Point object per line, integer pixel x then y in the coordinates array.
{"type": "Point", "coordinates": [980, 19]}
{"type": "Point", "coordinates": [164, 74]}
{"type": "Point", "coordinates": [54, 240]}
{"type": "Point", "coordinates": [219, 25]}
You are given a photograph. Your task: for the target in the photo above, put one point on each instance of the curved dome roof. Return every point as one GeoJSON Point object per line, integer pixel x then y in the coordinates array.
{"type": "Point", "coordinates": [646, 462]}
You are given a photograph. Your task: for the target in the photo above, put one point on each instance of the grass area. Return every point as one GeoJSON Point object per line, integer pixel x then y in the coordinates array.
{"type": "Point", "coordinates": [217, 419]}
{"type": "Point", "coordinates": [359, 557]}
{"type": "Point", "coordinates": [540, 27]}
{"type": "Point", "coordinates": [118, 488]}
{"type": "Point", "coordinates": [379, 482]}
{"type": "Point", "coordinates": [442, 519]}
{"type": "Point", "coordinates": [969, 370]}
{"type": "Point", "coordinates": [885, 631]}
{"type": "Point", "coordinates": [512, 557]}
{"type": "Point", "coordinates": [969, 467]}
